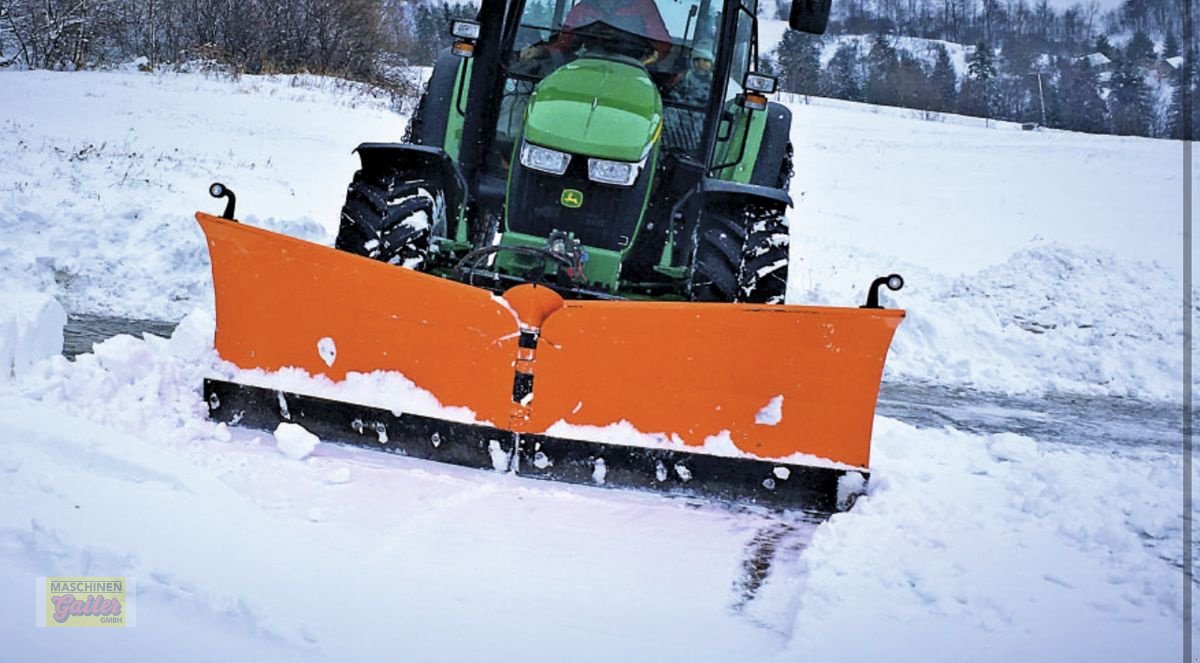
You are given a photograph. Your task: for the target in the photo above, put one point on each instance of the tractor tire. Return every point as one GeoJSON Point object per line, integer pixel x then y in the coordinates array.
{"type": "Point", "coordinates": [741, 254]}
{"type": "Point", "coordinates": [741, 250]}
{"type": "Point", "coordinates": [389, 217]}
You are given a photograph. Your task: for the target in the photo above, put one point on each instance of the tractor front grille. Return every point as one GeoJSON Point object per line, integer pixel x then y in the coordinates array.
{"type": "Point", "coordinates": [607, 217]}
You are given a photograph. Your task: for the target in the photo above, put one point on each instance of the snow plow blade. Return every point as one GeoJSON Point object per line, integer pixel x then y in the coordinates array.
{"type": "Point", "coordinates": [764, 404]}
{"type": "Point", "coordinates": [667, 471]}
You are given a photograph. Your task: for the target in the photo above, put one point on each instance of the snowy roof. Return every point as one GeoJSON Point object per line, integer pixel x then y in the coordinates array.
{"type": "Point", "coordinates": [1096, 59]}
{"type": "Point", "coordinates": [1175, 62]}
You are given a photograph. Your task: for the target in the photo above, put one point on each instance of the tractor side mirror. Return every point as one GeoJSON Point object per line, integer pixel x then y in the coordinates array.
{"type": "Point", "coordinates": [811, 16]}
{"type": "Point", "coordinates": [465, 34]}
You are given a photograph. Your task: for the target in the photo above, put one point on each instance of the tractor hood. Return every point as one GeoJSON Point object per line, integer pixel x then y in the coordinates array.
{"type": "Point", "coordinates": [596, 107]}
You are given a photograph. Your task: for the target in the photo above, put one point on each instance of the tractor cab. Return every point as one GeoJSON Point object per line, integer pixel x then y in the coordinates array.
{"type": "Point", "coordinates": [662, 38]}
{"type": "Point", "coordinates": [669, 43]}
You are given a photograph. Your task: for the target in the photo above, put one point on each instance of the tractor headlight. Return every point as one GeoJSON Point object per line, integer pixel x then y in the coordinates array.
{"type": "Point", "coordinates": [544, 159]}
{"type": "Point", "coordinates": [621, 173]}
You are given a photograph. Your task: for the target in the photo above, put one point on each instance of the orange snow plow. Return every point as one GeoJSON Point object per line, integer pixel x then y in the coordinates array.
{"type": "Point", "coordinates": [757, 403]}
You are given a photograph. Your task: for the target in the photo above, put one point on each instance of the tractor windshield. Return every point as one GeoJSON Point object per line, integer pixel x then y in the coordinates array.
{"type": "Point", "coordinates": [669, 28]}
{"type": "Point", "coordinates": [674, 40]}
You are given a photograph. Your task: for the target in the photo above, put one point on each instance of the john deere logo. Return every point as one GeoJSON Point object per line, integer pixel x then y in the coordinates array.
{"type": "Point", "coordinates": [572, 198]}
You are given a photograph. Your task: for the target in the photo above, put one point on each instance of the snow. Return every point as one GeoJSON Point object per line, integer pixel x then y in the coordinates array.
{"type": "Point", "coordinates": [624, 433]}
{"type": "Point", "coordinates": [327, 348]}
{"type": "Point", "coordinates": [1057, 261]}
{"type": "Point", "coordinates": [771, 31]}
{"type": "Point", "coordinates": [105, 166]}
{"type": "Point", "coordinates": [31, 329]}
{"type": "Point", "coordinates": [294, 441]}
{"type": "Point", "coordinates": [771, 413]}
{"type": "Point", "coordinates": [1036, 262]}
{"type": "Point", "coordinates": [1058, 564]}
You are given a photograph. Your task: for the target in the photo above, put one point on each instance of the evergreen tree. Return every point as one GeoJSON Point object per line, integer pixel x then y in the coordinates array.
{"type": "Point", "coordinates": [1176, 120]}
{"type": "Point", "coordinates": [1135, 12]}
{"type": "Point", "coordinates": [842, 79]}
{"type": "Point", "coordinates": [944, 80]}
{"type": "Point", "coordinates": [1081, 106]}
{"type": "Point", "coordinates": [1140, 48]}
{"type": "Point", "coordinates": [883, 64]}
{"type": "Point", "coordinates": [1103, 46]}
{"type": "Point", "coordinates": [1170, 45]}
{"type": "Point", "coordinates": [799, 61]}
{"type": "Point", "coordinates": [912, 84]}
{"type": "Point", "coordinates": [1052, 93]}
{"type": "Point", "coordinates": [1130, 106]}
{"type": "Point", "coordinates": [978, 95]}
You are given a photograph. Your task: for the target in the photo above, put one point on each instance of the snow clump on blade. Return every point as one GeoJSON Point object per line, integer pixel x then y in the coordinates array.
{"type": "Point", "coordinates": [294, 441]}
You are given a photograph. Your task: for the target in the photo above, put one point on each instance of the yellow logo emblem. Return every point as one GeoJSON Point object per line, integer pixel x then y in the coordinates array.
{"type": "Point", "coordinates": [572, 198]}
{"type": "Point", "coordinates": [85, 602]}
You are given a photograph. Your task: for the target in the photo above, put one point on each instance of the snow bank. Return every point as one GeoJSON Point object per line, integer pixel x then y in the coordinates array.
{"type": "Point", "coordinates": [31, 328]}
{"type": "Point", "coordinates": [997, 548]}
{"type": "Point", "coordinates": [1033, 261]}
{"type": "Point", "coordinates": [99, 212]}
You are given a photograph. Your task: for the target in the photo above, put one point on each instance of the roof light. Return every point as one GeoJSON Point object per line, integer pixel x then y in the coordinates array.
{"type": "Point", "coordinates": [464, 29]}
{"type": "Point", "coordinates": [756, 82]}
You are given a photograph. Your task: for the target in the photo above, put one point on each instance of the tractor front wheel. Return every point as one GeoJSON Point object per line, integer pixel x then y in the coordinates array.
{"type": "Point", "coordinates": [741, 253]}
{"type": "Point", "coordinates": [390, 217]}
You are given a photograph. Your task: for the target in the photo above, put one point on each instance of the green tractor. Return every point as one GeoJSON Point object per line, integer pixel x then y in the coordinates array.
{"type": "Point", "coordinates": [608, 149]}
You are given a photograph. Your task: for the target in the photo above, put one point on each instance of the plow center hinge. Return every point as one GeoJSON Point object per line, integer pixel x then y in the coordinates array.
{"type": "Point", "coordinates": [532, 305]}
{"type": "Point", "coordinates": [523, 366]}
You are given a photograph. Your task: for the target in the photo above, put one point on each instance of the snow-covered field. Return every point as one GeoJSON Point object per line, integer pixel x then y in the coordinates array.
{"type": "Point", "coordinates": [1036, 262]}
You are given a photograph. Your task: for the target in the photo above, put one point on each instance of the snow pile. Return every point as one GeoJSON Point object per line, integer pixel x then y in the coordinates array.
{"type": "Point", "coordinates": [998, 548]}
{"type": "Point", "coordinates": [31, 329]}
{"type": "Point", "coordinates": [1033, 261]}
{"type": "Point", "coordinates": [1049, 317]}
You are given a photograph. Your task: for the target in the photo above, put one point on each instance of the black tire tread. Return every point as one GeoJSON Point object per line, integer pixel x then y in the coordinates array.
{"type": "Point", "coordinates": [373, 227]}
{"type": "Point", "coordinates": [741, 249]}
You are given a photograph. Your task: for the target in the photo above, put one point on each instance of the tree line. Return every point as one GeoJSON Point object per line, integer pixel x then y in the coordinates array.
{"type": "Point", "coordinates": [1026, 63]}
{"type": "Point", "coordinates": [1079, 69]}
{"type": "Point", "coordinates": [357, 39]}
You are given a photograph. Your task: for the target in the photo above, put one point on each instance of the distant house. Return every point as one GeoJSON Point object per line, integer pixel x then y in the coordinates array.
{"type": "Point", "coordinates": [1167, 67]}
{"type": "Point", "coordinates": [1097, 61]}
